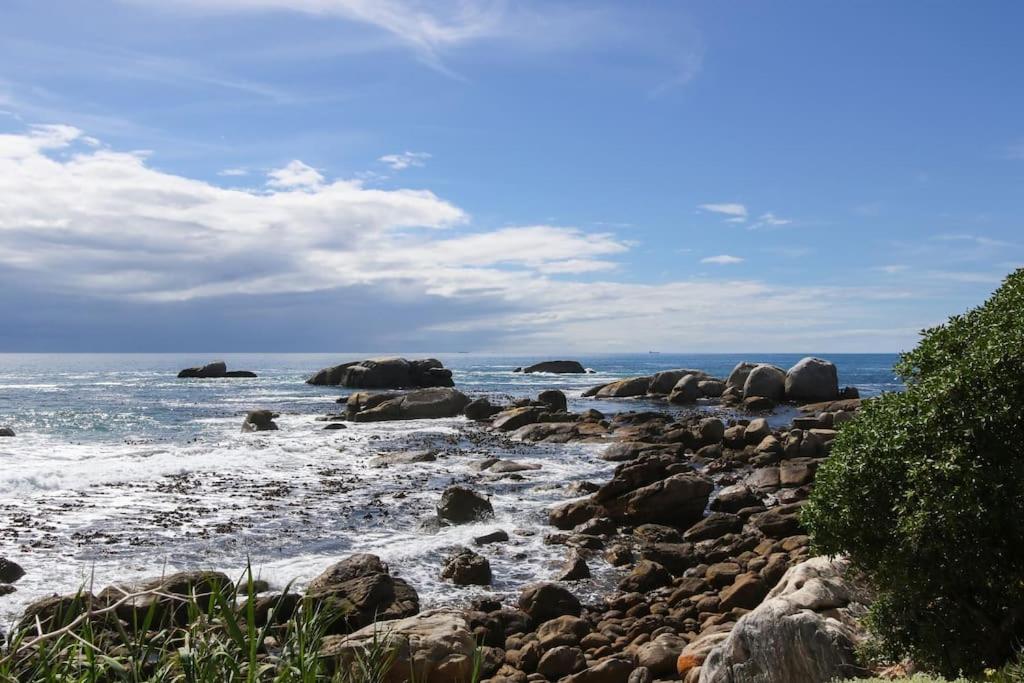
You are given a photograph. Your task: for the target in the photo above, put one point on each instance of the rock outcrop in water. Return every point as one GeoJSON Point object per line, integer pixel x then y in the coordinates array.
{"type": "Point", "coordinates": [361, 590]}
{"type": "Point", "coordinates": [260, 421]}
{"type": "Point", "coordinates": [6, 431]}
{"type": "Point", "coordinates": [558, 367]}
{"type": "Point", "coordinates": [385, 373]}
{"type": "Point", "coordinates": [216, 370]}
{"type": "Point", "coordinates": [422, 404]}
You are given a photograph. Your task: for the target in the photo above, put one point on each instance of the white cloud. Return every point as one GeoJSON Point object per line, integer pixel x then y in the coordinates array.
{"type": "Point", "coordinates": [296, 175]}
{"type": "Point", "coordinates": [722, 260]}
{"type": "Point", "coordinates": [893, 269]}
{"type": "Point", "coordinates": [770, 220]}
{"type": "Point", "coordinates": [233, 172]}
{"type": "Point", "coordinates": [738, 212]}
{"type": "Point", "coordinates": [403, 160]}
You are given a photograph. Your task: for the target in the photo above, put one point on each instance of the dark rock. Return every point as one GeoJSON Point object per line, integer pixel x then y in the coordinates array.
{"type": "Point", "coordinates": [758, 404]}
{"type": "Point", "coordinates": [402, 458]}
{"type": "Point", "coordinates": [55, 612]}
{"type": "Point", "coordinates": [572, 514]}
{"type": "Point", "coordinates": [734, 498]}
{"type": "Point", "coordinates": [574, 569]}
{"type": "Point", "coordinates": [712, 388]}
{"type": "Point", "coordinates": [10, 571]}
{"type": "Point", "coordinates": [676, 557]}
{"type": "Point", "coordinates": [359, 591]}
{"type": "Point", "coordinates": [514, 418]}
{"type": "Point", "coordinates": [6, 431]}
{"type": "Point", "coordinates": [561, 367]}
{"type": "Point", "coordinates": [386, 373]}
{"type": "Point", "coordinates": [664, 381]}
{"type": "Point", "coordinates": [544, 601]}
{"type": "Point", "coordinates": [208, 371]}
{"type": "Point", "coordinates": [561, 661]}
{"type": "Point", "coordinates": [657, 533]}
{"type": "Point", "coordinates": [335, 426]}
{"type": "Point", "coordinates": [460, 505]}
{"type": "Point", "coordinates": [746, 592]}
{"type": "Point", "coordinates": [499, 536]}
{"type": "Point", "coordinates": [714, 525]}
{"type": "Point", "coordinates": [481, 409]}
{"type": "Point", "coordinates": [260, 421]}
{"type": "Point", "coordinates": [711, 430]}
{"type": "Point", "coordinates": [679, 500]}
{"type": "Point", "coordinates": [646, 576]}
{"type": "Point", "coordinates": [163, 596]}
{"type": "Point", "coordinates": [466, 568]}
{"type": "Point", "coordinates": [421, 404]}
{"type": "Point", "coordinates": [554, 399]}
{"type": "Point", "coordinates": [779, 522]}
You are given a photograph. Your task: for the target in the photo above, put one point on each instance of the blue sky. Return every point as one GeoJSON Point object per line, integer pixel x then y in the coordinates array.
{"type": "Point", "coordinates": [329, 175]}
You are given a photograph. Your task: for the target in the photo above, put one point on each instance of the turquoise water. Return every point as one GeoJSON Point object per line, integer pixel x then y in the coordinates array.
{"type": "Point", "coordinates": [119, 469]}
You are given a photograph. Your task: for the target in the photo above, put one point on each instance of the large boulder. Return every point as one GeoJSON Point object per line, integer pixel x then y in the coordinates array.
{"type": "Point", "coordinates": [663, 382]}
{"type": "Point", "coordinates": [162, 598]}
{"type": "Point", "coordinates": [421, 404]}
{"type": "Point", "coordinates": [481, 409]}
{"type": "Point", "coordinates": [679, 500]}
{"type": "Point", "coordinates": [386, 373]}
{"type": "Point", "coordinates": [738, 377]}
{"type": "Point", "coordinates": [260, 421]}
{"type": "Point", "coordinates": [553, 399]}
{"type": "Point", "coordinates": [559, 367]}
{"type": "Point", "coordinates": [766, 381]}
{"type": "Point", "coordinates": [812, 379]}
{"type": "Point", "coordinates": [460, 505]}
{"type": "Point", "coordinates": [625, 388]}
{"type": "Point", "coordinates": [807, 629]}
{"type": "Point", "coordinates": [436, 646]}
{"type": "Point", "coordinates": [514, 418]}
{"type": "Point", "coordinates": [545, 601]}
{"type": "Point", "coordinates": [360, 590]}
{"type": "Point", "coordinates": [686, 390]}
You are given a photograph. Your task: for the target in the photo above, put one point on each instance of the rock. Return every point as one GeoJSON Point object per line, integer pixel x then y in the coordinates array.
{"type": "Point", "coordinates": [686, 390]}
{"type": "Point", "coordinates": [499, 536]}
{"type": "Point", "coordinates": [572, 514]}
{"type": "Point", "coordinates": [746, 592]}
{"type": "Point", "coordinates": [574, 569]}
{"type": "Point", "coordinates": [545, 601]}
{"type": "Point", "coordinates": [563, 630]}
{"type": "Point", "coordinates": [54, 612]}
{"type": "Point", "coordinates": [766, 381]}
{"type": "Point", "coordinates": [460, 505]}
{"type": "Point", "coordinates": [679, 500]}
{"type": "Point", "coordinates": [625, 388]}
{"type": "Point", "coordinates": [738, 377]}
{"type": "Point", "coordinates": [629, 450]}
{"type": "Point", "coordinates": [694, 654]}
{"type": "Point", "coordinates": [558, 367]}
{"type": "Point", "coordinates": [402, 458]}
{"type": "Point", "coordinates": [712, 388]}
{"type": "Point", "coordinates": [757, 430]}
{"type": "Point", "coordinates": [758, 404]}
{"type": "Point", "coordinates": [163, 596]}
{"type": "Point", "coordinates": [10, 571]}
{"type": "Point", "coordinates": [807, 629]}
{"type": "Point", "coordinates": [610, 670]}
{"type": "Point", "coordinates": [466, 568]}
{"type": "Point", "coordinates": [554, 399]}
{"type": "Point", "coordinates": [360, 590]}
{"type": "Point", "coordinates": [386, 373]}
{"type": "Point", "coordinates": [734, 498]}
{"type": "Point", "coordinates": [6, 589]}
{"type": "Point", "coordinates": [561, 661]}
{"type": "Point", "coordinates": [660, 654]}
{"type": "Point", "coordinates": [260, 421]}
{"type": "Point", "coordinates": [209, 371]}
{"type": "Point", "coordinates": [779, 521]}
{"type": "Point", "coordinates": [6, 431]}
{"type": "Point", "coordinates": [664, 381]}
{"type": "Point", "coordinates": [657, 533]}
{"type": "Point", "coordinates": [812, 380]}
{"type": "Point", "coordinates": [514, 418]}
{"type": "Point", "coordinates": [675, 557]}
{"type": "Point", "coordinates": [641, 674]}
{"type": "Point", "coordinates": [436, 646]}
{"type": "Point", "coordinates": [335, 426]}
{"type": "Point", "coordinates": [711, 430]}
{"type": "Point", "coordinates": [714, 525]}
{"type": "Point", "coordinates": [646, 576]}
{"type": "Point", "coordinates": [421, 404]}
{"type": "Point", "coordinates": [481, 409]}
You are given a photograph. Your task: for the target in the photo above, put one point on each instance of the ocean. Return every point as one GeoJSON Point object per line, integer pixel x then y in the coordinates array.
{"type": "Point", "coordinates": [120, 470]}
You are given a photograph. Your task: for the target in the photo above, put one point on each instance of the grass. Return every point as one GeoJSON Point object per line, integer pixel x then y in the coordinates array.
{"type": "Point", "coordinates": [204, 637]}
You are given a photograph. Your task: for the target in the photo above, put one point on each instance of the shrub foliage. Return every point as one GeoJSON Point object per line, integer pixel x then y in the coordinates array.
{"type": "Point", "coordinates": [925, 493]}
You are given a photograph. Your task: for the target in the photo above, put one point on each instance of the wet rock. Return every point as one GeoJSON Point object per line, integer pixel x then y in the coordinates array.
{"type": "Point", "coordinates": [10, 571]}
{"type": "Point", "coordinates": [436, 646]}
{"type": "Point", "coordinates": [561, 661]}
{"type": "Point", "coordinates": [758, 404]}
{"type": "Point", "coordinates": [421, 404]}
{"type": "Point", "coordinates": [164, 596]}
{"type": "Point", "coordinates": [629, 450]}
{"type": "Point", "coordinates": [619, 555]}
{"type": "Point", "coordinates": [572, 514]}
{"type": "Point", "coordinates": [812, 380]}
{"type": "Point", "coordinates": [545, 601]}
{"type": "Point", "coordinates": [711, 430]}
{"type": "Point", "coordinates": [574, 569]}
{"type": "Point", "coordinates": [499, 536]}
{"type": "Point", "coordinates": [481, 409]}
{"type": "Point", "coordinates": [260, 421]}
{"type": "Point", "coordinates": [335, 426]}
{"type": "Point", "coordinates": [6, 589]}
{"type": "Point", "coordinates": [460, 505]}
{"type": "Point", "coordinates": [6, 431]}
{"type": "Point", "coordinates": [508, 466]}
{"type": "Point", "coordinates": [560, 367]}
{"type": "Point", "coordinates": [466, 568]}
{"type": "Point", "coordinates": [360, 590]}
{"type": "Point", "coordinates": [554, 399]}
{"type": "Point", "coordinates": [208, 371]}
{"type": "Point", "coordinates": [646, 576]}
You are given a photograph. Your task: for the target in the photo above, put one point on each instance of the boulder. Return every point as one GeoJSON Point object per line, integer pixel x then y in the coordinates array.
{"type": "Point", "coordinates": [574, 569]}
{"type": "Point", "coordinates": [467, 568]}
{"type": "Point", "coordinates": [545, 601]}
{"type": "Point", "coordinates": [402, 458]}
{"type": "Point", "coordinates": [738, 377]}
{"type": "Point", "coordinates": [460, 505]}
{"type": "Point", "coordinates": [422, 404]}
{"type": "Point", "coordinates": [610, 670]}
{"type": "Point", "coordinates": [766, 381]}
{"type": "Point", "coordinates": [208, 371]}
{"type": "Point", "coordinates": [663, 382]}
{"type": "Point", "coordinates": [6, 431]}
{"type": "Point", "coordinates": [678, 500]}
{"type": "Point", "coordinates": [812, 380]}
{"type": "Point", "coordinates": [746, 592]}
{"type": "Point", "coordinates": [625, 388]}
{"type": "Point", "coordinates": [260, 421]}
{"type": "Point", "coordinates": [436, 646]}
{"type": "Point", "coordinates": [711, 430]}
{"type": "Point", "coordinates": [163, 596]}
{"type": "Point", "coordinates": [386, 373]}
{"type": "Point", "coordinates": [558, 367]}
{"type": "Point", "coordinates": [756, 430]}
{"type": "Point", "coordinates": [554, 399]}
{"type": "Point", "coordinates": [563, 630]}
{"type": "Point", "coordinates": [10, 571]}
{"type": "Point", "coordinates": [686, 390]}
{"type": "Point", "coordinates": [807, 629]}
{"type": "Point", "coordinates": [514, 418]}
{"type": "Point", "coordinates": [646, 576]}
{"type": "Point", "coordinates": [55, 611]}
{"type": "Point", "coordinates": [561, 661]}
{"type": "Point", "coordinates": [711, 388]}
{"type": "Point", "coordinates": [734, 498]}
{"type": "Point", "coordinates": [714, 525]}
{"type": "Point", "coordinates": [481, 409]}
{"type": "Point", "coordinates": [661, 654]}
{"type": "Point", "coordinates": [360, 590]}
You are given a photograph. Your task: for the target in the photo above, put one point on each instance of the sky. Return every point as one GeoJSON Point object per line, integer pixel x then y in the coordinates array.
{"type": "Point", "coordinates": [539, 177]}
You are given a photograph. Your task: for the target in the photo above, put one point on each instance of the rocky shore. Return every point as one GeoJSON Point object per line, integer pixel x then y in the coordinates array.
{"type": "Point", "coordinates": [701, 516]}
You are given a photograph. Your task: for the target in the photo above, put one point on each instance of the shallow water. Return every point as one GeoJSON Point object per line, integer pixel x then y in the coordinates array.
{"type": "Point", "coordinates": [120, 470]}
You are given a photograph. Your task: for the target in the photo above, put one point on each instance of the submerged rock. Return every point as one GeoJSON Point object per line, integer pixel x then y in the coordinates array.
{"type": "Point", "coordinates": [561, 367]}
{"type": "Point", "coordinates": [386, 373]}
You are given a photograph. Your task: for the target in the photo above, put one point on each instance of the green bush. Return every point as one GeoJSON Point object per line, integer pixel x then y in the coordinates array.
{"type": "Point", "coordinates": [924, 491]}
